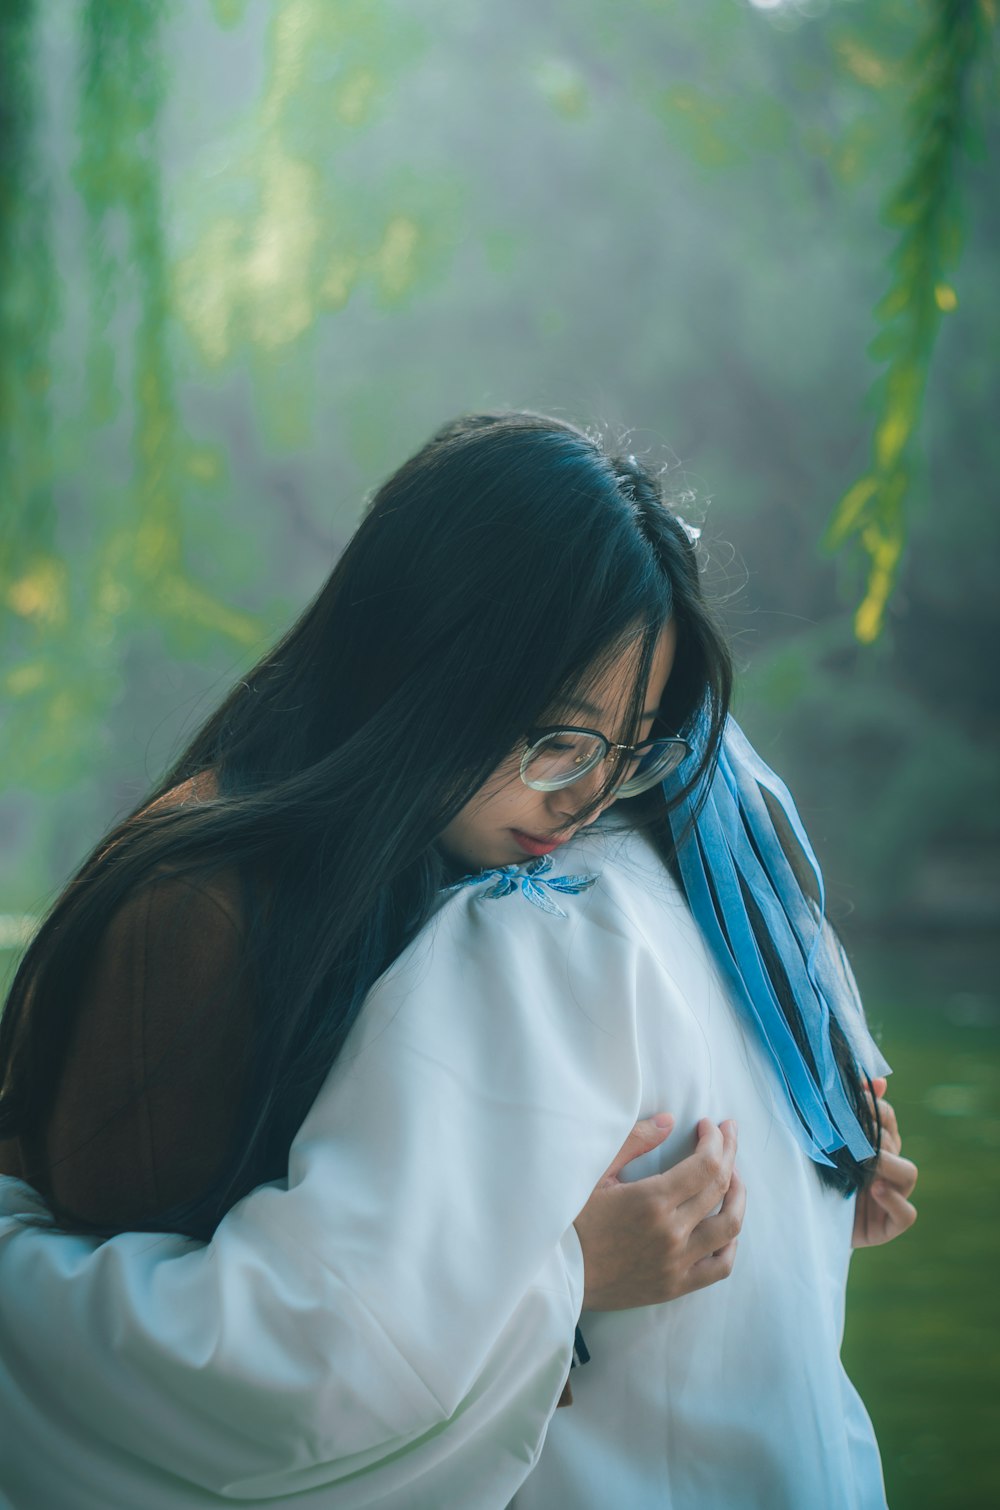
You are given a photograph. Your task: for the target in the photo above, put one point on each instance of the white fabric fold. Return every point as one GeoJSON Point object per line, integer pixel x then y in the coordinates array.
{"type": "Point", "coordinates": [402, 1313]}
{"type": "Point", "coordinates": [395, 1326]}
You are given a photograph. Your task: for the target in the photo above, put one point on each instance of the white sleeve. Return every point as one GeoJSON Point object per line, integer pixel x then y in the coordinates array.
{"type": "Point", "coordinates": [406, 1306]}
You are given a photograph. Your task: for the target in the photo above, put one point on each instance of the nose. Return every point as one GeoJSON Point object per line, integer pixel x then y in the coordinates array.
{"type": "Point", "coordinates": [568, 802]}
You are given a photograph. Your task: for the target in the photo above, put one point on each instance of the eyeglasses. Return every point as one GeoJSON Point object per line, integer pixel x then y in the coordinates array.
{"type": "Point", "coordinates": [556, 758]}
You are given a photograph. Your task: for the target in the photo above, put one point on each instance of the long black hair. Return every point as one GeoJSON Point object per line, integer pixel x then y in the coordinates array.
{"type": "Point", "coordinates": [489, 576]}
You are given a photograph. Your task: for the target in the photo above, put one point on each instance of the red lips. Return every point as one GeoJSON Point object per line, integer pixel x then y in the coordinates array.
{"type": "Point", "coordinates": [533, 846]}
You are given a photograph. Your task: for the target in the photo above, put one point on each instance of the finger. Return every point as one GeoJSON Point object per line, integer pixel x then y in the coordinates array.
{"type": "Point", "coordinates": [714, 1233]}
{"type": "Point", "coordinates": [711, 1170]}
{"type": "Point", "coordinates": [875, 1089]}
{"type": "Point", "coordinates": [885, 1114]}
{"type": "Point", "coordinates": [688, 1176]}
{"type": "Point", "coordinates": [896, 1172]}
{"type": "Point", "coordinates": [861, 1236]}
{"type": "Point", "coordinates": [889, 1139]}
{"type": "Point", "coordinates": [708, 1271]}
{"type": "Point", "coordinates": [900, 1213]}
{"type": "Point", "coordinates": [890, 1127]}
{"type": "Point", "coordinates": [873, 1224]}
{"type": "Point", "coordinates": [644, 1137]}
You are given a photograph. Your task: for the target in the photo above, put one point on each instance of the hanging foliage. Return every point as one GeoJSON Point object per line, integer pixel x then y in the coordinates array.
{"type": "Point", "coordinates": [118, 172]}
{"type": "Point", "coordinates": [30, 575]}
{"type": "Point", "coordinates": [250, 254]}
{"type": "Point", "coordinates": [297, 228]}
{"type": "Point", "coordinates": [926, 209]}
{"type": "Point", "coordinates": [67, 623]}
{"type": "Point", "coordinates": [34, 585]}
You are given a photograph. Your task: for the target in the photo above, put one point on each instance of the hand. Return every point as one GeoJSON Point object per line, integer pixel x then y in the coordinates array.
{"type": "Point", "coordinates": [883, 1210]}
{"type": "Point", "coordinates": [653, 1239]}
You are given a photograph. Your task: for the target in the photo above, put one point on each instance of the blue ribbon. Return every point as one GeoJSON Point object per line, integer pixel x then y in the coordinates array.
{"type": "Point", "coordinates": [727, 848]}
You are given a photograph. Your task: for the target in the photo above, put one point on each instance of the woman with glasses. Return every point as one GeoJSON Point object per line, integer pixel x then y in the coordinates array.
{"type": "Point", "coordinates": [330, 1004]}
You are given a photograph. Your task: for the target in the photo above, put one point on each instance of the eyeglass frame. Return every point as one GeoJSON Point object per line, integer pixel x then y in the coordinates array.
{"type": "Point", "coordinates": [534, 737]}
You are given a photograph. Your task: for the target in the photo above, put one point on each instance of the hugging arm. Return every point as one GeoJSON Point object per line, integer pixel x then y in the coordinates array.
{"type": "Point", "coordinates": [407, 1304]}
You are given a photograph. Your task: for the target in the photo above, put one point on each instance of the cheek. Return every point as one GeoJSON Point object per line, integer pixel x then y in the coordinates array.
{"type": "Point", "coordinates": [503, 792]}
{"type": "Point", "coordinates": [475, 837]}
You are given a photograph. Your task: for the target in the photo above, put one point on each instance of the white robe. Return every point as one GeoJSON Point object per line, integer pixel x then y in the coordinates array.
{"type": "Point", "coordinates": [393, 1328]}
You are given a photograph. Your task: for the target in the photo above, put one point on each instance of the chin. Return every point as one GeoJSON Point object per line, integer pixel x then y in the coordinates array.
{"type": "Point", "coordinates": [509, 855]}
{"type": "Point", "coordinates": [461, 857]}
{"type": "Point", "coordinates": [501, 854]}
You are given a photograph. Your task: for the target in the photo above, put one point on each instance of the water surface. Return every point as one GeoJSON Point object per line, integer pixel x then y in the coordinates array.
{"type": "Point", "coordinates": [923, 1320]}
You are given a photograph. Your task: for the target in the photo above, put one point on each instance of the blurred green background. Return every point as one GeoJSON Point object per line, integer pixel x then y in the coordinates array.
{"type": "Point", "coordinates": [253, 252]}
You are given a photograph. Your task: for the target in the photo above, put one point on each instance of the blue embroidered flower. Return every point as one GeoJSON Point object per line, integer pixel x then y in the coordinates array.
{"type": "Point", "coordinates": [529, 879]}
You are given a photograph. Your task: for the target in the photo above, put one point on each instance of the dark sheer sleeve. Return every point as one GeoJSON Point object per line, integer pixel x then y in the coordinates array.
{"type": "Point", "coordinates": [147, 1102]}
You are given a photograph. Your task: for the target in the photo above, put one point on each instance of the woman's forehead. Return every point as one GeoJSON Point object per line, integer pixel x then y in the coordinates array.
{"type": "Point", "coordinates": [607, 693]}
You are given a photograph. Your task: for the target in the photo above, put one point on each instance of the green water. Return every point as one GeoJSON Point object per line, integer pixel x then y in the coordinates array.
{"type": "Point", "coordinates": [923, 1321]}
{"type": "Point", "coordinates": [923, 1340]}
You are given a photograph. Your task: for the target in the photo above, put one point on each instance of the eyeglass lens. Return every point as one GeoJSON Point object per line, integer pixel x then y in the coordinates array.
{"type": "Point", "coordinates": [662, 758]}
{"type": "Point", "coordinates": [564, 756]}
{"type": "Point", "coordinates": [561, 757]}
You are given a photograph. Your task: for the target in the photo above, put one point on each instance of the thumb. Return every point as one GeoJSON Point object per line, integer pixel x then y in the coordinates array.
{"type": "Point", "coordinates": [644, 1137]}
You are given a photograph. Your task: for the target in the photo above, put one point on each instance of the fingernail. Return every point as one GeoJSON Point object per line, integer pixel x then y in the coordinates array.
{"type": "Point", "coordinates": [879, 1189]}
{"type": "Point", "coordinates": [663, 1119]}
